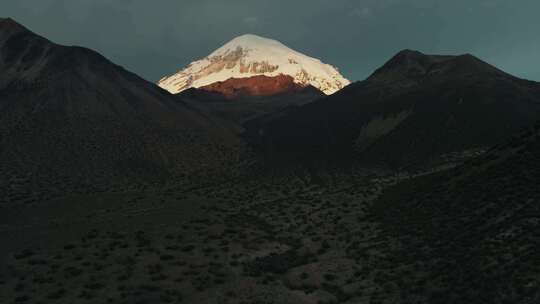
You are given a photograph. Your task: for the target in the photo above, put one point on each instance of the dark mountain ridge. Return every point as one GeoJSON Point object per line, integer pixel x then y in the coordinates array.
{"type": "Point", "coordinates": [413, 67]}
{"type": "Point", "coordinates": [235, 112]}
{"type": "Point", "coordinates": [72, 119]}
{"type": "Point", "coordinates": [414, 110]}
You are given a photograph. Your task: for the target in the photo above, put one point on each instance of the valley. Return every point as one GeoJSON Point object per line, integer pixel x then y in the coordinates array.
{"type": "Point", "coordinates": [283, 237]}
{"type": "Point", "coordinates": [258, 174]}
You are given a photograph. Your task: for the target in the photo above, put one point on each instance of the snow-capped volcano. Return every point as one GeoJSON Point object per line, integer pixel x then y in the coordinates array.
{"type": "Point", "coordinates": [250, 55]}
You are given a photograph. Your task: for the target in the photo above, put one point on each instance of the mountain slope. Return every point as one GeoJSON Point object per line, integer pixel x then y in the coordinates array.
{"type": "Point", "coordinates": [476, 227]}
{"type": "Point", "coordinates": [415, 110]}
{"type": "Point", "coordinates": [70, 119]}
{"type": "Point", "coordinates": [257, 86]}
{"type": "Point", "coordinates": [236, 110]}
{"type": "Point", "coordinates": [250, 55]}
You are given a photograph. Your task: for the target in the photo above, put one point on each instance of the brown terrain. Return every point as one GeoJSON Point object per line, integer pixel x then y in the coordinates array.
{"type": "Point", "coordinates": [259, 85]}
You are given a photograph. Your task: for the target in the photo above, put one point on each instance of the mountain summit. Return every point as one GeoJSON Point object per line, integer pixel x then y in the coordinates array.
{"type": "Point", "coordinates": [250, 55]}
{"type": "Point", "coordinates": [415, 110]}
{"type": "Point", "coordinates": [409, 68]}
{"type": "Point", "coordinates": [70, 119]}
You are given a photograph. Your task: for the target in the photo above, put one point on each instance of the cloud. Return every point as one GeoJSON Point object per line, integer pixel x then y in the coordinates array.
{"type": "Point", "coordinates": [362, 13]}
{"type": "Point", "coordinates": [251, 20]}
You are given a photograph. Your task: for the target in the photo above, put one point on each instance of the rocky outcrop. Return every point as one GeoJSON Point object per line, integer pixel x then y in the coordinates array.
{"type": "Point", "coordinates": [254, 86]}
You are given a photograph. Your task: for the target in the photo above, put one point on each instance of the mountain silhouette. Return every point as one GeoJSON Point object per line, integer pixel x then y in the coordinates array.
{"type": "Point", "coordinates": [415, 110]}
{"type": "Point", "coordinates": [71, 119]}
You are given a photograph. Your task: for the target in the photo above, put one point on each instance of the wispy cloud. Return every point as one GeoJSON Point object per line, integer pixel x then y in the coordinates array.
{"type": "Point", "coordinates": [362, 13]}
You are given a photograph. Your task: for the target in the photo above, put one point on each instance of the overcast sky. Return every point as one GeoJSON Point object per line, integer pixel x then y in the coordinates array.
{"type": "Point", "coordinates": [158, 37]}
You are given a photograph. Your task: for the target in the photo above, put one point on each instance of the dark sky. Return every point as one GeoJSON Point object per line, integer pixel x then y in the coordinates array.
{"type": "Point", "coordinates": [158, 37]}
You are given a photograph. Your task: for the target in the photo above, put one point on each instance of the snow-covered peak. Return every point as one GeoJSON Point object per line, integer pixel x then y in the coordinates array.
{"type": "Point", "coordinates": [251, 55]}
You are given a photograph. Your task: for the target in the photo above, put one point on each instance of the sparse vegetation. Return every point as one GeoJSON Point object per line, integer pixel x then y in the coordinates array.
{"type": "Point", "coordinates": [162, 212]}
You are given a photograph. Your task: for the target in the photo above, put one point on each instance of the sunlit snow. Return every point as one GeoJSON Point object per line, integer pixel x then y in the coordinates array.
{"type": "Point", "coordinates": [251, 55]}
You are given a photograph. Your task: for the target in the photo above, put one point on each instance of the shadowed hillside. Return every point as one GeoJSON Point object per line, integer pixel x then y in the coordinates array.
{"type": "Point", "coordinates": [72, 120]}
{"type": "Point", "coordinates": [476, 227]}
{"type": "Point", "coordinates": [245, 110]}
{"type": "Point", "coordinates": [415, 110]}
